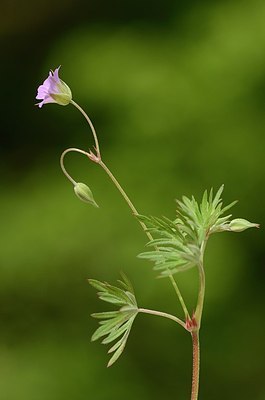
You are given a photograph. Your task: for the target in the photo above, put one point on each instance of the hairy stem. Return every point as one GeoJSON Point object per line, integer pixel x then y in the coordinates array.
{"type": "Point", "coordinates": [195, 365]}
{"type": "Point", "coordinates": [162, 314]}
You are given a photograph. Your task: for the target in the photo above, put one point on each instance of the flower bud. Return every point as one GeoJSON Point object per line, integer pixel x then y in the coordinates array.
{"type": "Point", "coordinates": [240, 225]}
{"type": "Point", "coordinates": [84, 193]}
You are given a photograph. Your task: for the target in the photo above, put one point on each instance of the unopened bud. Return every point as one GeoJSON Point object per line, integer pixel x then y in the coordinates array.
{"type": "Point", "coordinates": [240, 225]}
{"type": "Point", "coordinates": [84, 193]}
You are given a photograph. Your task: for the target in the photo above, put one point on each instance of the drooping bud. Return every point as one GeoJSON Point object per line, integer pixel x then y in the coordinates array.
{"type": "Point", "coordinates": [240, 225]}
{"type": "Point", "coordinates": [84, 193]}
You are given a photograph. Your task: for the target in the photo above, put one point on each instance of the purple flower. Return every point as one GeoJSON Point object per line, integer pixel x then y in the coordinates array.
{"type": "Point", "coordinates": [54, 90]}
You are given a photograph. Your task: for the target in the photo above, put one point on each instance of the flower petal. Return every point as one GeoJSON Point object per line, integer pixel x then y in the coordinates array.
{"type": "Point", "coordinates": [47, 99]}
{"type": "Point", "coordinates": [56, 74]}
{"type": "Point", "coordinates": [54, 90]}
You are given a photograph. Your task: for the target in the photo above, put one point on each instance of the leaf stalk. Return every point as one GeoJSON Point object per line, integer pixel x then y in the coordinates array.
{"type": "Point", "coordinates": [163, 314]}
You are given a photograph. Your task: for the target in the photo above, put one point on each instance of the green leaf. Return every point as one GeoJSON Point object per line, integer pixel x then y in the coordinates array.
{"type": "Point", "coordinates": [110, 299]}
{"type": "Point", "coordinates": [114, 324]}
{"type": "Point", "coordinates": [179, 242]}
{"type": "Point", "coordinates": [217, 196]}
{"type": "Point", "coordinates": [121, 347]}
{"type": "Point", "coordinates": [228, 207]}
{"type": "Point", "coordinates": [117, 354]}
{"type": "Point", "coordinates": [117, 344]}
{"type": "Point", "coordinates": [97, 284]}
{"type": "Point", "coordinates": [115, 333]}
{"type": "Point", "coordinates": [108, 326]}
{"type": "Point", "coordinates": [125, 282]}
{"type": "Point", "coordinates": [105, 315]}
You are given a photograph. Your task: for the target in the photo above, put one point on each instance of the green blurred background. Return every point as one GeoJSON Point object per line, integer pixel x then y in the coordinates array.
{"type": "Point", "coordinates": [176, 91]}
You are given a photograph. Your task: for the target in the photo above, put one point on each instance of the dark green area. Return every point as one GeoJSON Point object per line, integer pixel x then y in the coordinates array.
{"type": "Point", "coordinates": [176, 92]}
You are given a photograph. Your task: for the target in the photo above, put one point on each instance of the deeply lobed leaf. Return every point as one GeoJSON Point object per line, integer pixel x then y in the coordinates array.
{"type": "Point", "coordinates": [178, 244]}
{"type": "Point", "coordinates": [114, 324]}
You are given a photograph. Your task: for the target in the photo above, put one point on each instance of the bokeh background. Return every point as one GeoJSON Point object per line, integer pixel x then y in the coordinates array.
{"type": "Point", "coordinates": [176, 92]}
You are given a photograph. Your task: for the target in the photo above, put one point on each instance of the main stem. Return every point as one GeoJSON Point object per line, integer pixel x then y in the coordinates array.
{"type": "Point", "coordinates": [197, 320]}
{"type": "Point", "coordinates": [195, 365]}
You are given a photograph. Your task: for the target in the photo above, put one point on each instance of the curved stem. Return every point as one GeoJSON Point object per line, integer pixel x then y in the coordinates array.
{"type": "Point", "coordinates": [163, 314]}
{"type": "Point", "coordinates": [90, 124]}
{"type": "Point", "coordinates": [195, 365]}
{"type": "Point", "coordinates": [68, 176]}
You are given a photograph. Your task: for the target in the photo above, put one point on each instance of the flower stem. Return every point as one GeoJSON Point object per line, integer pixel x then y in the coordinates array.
{"type": "Point", "coordinates": [195, 364]}
{"type": "Point", "coordinates": [68, 176]}
{"type": "Point", "coordinates": [163, 314]}
{"type": "Point", "coordinates": [126, 198]}
{"type": "Point", "coordinates": [90, 124]}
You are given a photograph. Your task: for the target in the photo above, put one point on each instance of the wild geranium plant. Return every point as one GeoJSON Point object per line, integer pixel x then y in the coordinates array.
{"type": "Point", "coordinates": [174, 246]}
